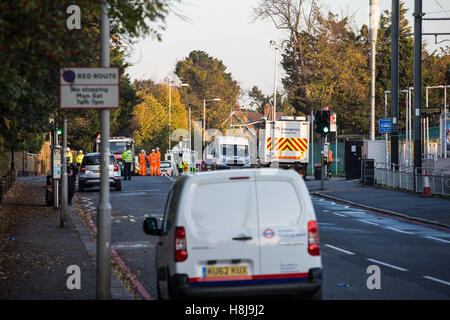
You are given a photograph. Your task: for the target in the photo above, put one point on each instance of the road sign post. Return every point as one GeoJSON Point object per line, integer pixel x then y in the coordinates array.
{"type": "Point", "coordinates": [104, 207]}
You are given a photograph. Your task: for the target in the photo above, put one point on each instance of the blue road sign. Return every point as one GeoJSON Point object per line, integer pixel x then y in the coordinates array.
{"type": "Point", "coordinates": [384, 125]}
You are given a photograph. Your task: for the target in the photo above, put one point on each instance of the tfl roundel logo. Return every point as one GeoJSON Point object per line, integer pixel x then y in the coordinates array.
{"type": "Point", "coordinates": [268, 233]}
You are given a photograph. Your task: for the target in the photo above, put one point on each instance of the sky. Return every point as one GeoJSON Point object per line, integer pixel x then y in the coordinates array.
{"type": "Point", "coordinates": [225, 30]}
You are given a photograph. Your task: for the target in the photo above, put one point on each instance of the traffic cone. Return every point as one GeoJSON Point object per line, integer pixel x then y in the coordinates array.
{"type": "Point", "coordinates": [426, 186]}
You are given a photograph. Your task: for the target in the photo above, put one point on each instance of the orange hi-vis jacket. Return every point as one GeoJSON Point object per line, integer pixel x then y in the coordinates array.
{"type": "Point", "coordinates": [141, 157]}
{"type": "Point", "coordinates": [153, 159]}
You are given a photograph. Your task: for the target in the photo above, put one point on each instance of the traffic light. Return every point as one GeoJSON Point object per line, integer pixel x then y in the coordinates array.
{"type": "Point", "coordinates": [318, 122]}
{"type": "Point", "coordinates": [322, 122]}
{"type": "Point", "coordinates": [325, 122]}
{"type": "Point", "coordinates": [58, 132]}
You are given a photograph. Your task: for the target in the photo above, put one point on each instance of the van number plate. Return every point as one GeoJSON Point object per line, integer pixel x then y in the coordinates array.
{"type": "Point", "coordinates": [225, 271]}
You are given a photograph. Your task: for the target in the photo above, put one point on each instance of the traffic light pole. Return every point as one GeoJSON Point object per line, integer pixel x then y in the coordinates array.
{"type": "Point", "coordinates": [322, 162]}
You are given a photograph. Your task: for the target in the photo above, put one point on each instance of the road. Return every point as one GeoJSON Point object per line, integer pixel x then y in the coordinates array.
{"type": "Point", "coordinates": [413, 259]}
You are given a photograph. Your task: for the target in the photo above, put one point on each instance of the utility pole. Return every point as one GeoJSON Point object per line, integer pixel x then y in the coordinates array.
{"type": "Point", "coordinates": [394, 82]}
{"type": "Point", "coordinates": [417, 84]}
{"type": "Point", "coordinates": [104, 208]}
{"type": "Point", "coordinates": [373, 41]}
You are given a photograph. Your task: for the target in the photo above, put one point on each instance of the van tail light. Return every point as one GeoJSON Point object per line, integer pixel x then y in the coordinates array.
{"type": "Point", "coordinates": [313, 239]}
{"type": "Point", "coordinates": [116, 168]}
{"type": "Point", "coordinates": [180, 244]}
{"type": "Point", "coordinates": [83, 169]}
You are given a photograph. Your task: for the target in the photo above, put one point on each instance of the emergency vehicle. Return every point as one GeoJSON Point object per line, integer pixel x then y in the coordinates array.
{"type": "Point", "coordinates": [284, 144]}
{"type": "Point", "coordinates": [182, 155]}
{"type": "Point", "coordinates": [117, 146]}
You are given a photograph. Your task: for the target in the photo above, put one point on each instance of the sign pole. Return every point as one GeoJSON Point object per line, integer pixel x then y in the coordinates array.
{"type": "Point", "coordinates": [64, 176]}
{"type": "Point", "coordinates": [104, 208]}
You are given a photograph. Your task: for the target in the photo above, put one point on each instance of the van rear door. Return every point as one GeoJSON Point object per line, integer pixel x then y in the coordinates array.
{"type": "Point", "coordinates": [222, 233]}
{"type": "Point", "coordinates": [282, 229]}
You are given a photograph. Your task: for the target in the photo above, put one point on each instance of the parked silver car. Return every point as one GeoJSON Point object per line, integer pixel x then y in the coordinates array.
{"type": "Point", "coordinates": [90, 172]}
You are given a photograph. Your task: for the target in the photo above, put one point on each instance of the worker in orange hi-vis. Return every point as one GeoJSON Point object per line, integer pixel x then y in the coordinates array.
{"type": "Point", "coordinates": [142, 166]}
{"type": "Point", "coordinates": [158, 162]}
{"type": "Point", "coordinates": [153, 163]}
{"type": "Point", "coordinates": [149, 159]}
{"type": "Point", "coordinates": [330, 161]}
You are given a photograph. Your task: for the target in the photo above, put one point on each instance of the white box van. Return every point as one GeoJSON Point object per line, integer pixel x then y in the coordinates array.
{"type": "Point", "coordinates": [228, 152]}
{"type": "Point", "coordinates": [250, 232]}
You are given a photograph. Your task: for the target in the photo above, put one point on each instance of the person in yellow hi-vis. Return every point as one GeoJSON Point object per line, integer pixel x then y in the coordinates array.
{"type": "Point", "coordinates": [79, 158]}
{"type": "Point", "coordinates": [158, 162]}
{"type": "Point", "coordinates": [69, 155]}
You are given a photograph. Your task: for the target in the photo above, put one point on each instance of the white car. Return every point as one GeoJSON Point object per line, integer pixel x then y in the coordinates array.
{"type": "Point", "coordinates": [168, 168]}
{"type": "Point", "coordinates": [231, 233]}
{"type": "Point", "coordinates": [89, 175]}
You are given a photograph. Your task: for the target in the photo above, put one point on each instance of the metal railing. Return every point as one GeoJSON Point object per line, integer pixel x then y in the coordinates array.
{"type": "Point", "coordinates": [406, 177]}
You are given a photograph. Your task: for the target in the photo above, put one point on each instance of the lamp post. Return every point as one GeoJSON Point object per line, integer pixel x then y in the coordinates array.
{"type": "Point", "coordinates": [374, 16]}
{"type": "Point", "coordinates": [170, 106]}
{"type": "Point", "coordinates": [274, 46]}
{"type": "Point", "coordinates": [204, 117]}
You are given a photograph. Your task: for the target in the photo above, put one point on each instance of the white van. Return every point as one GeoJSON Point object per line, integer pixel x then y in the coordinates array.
{"type": "Point", "coordinates": [250, 232]}
{"type": "Point", "coordinates": [228, 152]}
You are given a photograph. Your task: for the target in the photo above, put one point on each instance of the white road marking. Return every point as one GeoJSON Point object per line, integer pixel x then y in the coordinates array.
{"type": "Point", "coordinates": [438, 239]}
{"type": "Point", "coordinates": [365, 221]}
{"type": "Point", "coordinates": [339, 249]}
{"type": "Point", "coordinates": [398, 230]}
{"type": "Point", "coordinates": [338, 214]}
{"type": "Point", "coordinates": [387, 265]}
{"type": "Point", "coordinates": [437, 280]}
{"type": "Point", "coordinates": [132, 220]}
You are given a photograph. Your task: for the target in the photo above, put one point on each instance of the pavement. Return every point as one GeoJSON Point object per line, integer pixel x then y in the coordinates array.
{"type": "Point", "coordinates": [37, 255]}
{"type": "Point", "coordinates": [434, 210]}
{"type": "Point", "coordinates": [35, 252]}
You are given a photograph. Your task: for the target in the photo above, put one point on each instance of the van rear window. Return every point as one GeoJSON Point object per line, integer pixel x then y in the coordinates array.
{"type": "Point", "coordinates": [223, 205]}
{"type": "Point", "coordinates": [95, 160]}
{"type": "Point", "coordinates": [278, 204]}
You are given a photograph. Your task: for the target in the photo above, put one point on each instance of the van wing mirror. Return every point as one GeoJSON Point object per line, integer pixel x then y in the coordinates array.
{"type": "Point", "coordinates": [151, 227]}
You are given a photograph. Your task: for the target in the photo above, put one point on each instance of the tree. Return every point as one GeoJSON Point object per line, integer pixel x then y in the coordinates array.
{"type": "Point", "coordinates": [35, 43]}
{"type": "Point", "coordinates": [258, 100]}
{"type": "Point", "coordinates": [150, 123]}
{"type": "Point", "coordinates": [207, 79]}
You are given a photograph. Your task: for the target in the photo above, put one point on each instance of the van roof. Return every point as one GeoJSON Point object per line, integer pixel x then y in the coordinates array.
{"type": "Point", "coordinates": [231, 139]}
{"type": "Point", "coordinates": [227, 174]}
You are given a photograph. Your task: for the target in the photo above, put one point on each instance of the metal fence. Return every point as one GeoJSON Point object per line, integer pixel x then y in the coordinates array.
{"type": "Point", "coordinates": [406, 177]}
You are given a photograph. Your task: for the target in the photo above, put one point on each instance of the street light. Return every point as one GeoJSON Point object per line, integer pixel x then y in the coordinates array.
{"type": "Point", "coordinates": [204, 117]}
{"type": "Point", "coordinates": [170, 106]}
{"type": "Point", "coordinates": [274, 46]}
